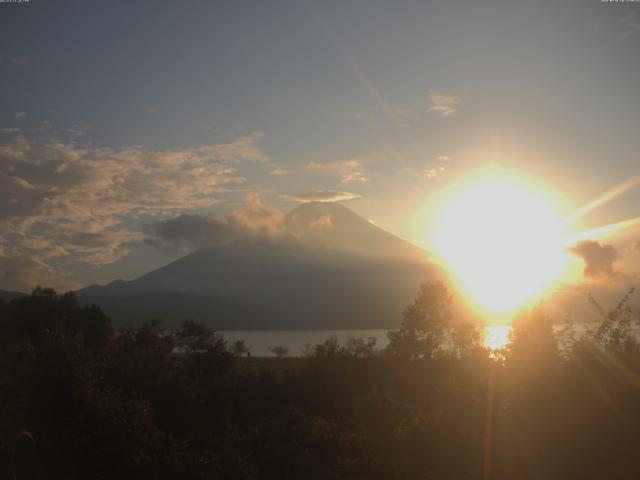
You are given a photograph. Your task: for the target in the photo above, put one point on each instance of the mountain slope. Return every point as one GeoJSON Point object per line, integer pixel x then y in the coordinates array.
{"type": "Point", "coordinates": [329, 268]}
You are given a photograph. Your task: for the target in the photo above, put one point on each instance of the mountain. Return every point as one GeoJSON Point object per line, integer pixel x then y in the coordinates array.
{"type": "Point", "coordinates": [7, 296]}
{"type": "Point", "coordinates": [328, 268]}
{"type": "Point", "coordinates": [334, 226]}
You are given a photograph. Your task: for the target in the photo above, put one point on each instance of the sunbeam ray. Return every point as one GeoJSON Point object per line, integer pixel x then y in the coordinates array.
{"type": "Point", "coordinates": [606, 197]}
{"type": "Point", "coordinates": [604, 231]}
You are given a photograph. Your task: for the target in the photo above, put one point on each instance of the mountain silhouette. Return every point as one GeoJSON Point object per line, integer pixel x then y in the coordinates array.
{"type": "Point", "coordinates": [327, 268]}
{"type": "Point", "coordinates": [8, 295]}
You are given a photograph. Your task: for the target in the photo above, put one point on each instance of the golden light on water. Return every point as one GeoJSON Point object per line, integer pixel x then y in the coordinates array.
{"type": "Point", "coordinates": [496, 336]}
{"type": "Point", "coordinates": [503, 239]}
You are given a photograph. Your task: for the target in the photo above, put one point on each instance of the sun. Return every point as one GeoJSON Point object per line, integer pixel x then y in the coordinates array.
{"type": "Point", "coordinates": [502, 238]}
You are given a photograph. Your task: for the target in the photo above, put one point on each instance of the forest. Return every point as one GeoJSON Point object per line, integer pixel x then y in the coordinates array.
{"type": "Point", "coordinates": [82, 399]}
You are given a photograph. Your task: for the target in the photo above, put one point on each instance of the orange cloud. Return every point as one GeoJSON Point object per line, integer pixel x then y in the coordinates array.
{"type": "Point", "coordinates": [445, 105]}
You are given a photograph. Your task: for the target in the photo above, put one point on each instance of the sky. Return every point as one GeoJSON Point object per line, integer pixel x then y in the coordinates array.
{"type": "Point", "coordinates": [117, 115]}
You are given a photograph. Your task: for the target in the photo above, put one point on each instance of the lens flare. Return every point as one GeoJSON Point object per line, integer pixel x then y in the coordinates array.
{"type": "Point", "coordinates": [496, 336]}
{"type": "Point", "coordinates": [502, 238]}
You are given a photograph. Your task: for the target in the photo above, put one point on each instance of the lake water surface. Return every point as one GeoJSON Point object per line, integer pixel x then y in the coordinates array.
{"type": "Point", "coordinates": [260, 342]}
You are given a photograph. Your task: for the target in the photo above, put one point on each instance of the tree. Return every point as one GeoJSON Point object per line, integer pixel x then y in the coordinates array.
{"type": "Point", "coordinates": [533, 347]}
{"type": "Point", "coordinates": [424, 324]}
{"type": "Point", "coordinates": [240, 348]}
{"type": "Point", "coordinates": [196, 337]}
{"type": "Point", "coordinates": [44, 312]}
{"type": "Point", "coordinates": [614, 332]}
{"type": "Point", "coordinates": [280, 351]}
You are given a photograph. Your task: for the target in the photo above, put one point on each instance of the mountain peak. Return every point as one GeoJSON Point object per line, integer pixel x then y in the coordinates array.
{"type": "Point", "coordinates": [335, 226]}
{"type": "Point", "coordinates": [313, 210]}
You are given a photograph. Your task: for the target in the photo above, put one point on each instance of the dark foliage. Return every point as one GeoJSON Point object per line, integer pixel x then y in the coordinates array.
{"type": "Point", "coordinates": [81, 400]}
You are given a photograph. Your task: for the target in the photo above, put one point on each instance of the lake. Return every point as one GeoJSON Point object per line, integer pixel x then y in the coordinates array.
{"type": "Point", "coordinates": [260, 342]}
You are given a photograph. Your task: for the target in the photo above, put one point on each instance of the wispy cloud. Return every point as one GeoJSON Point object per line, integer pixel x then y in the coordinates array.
{"type": "Point", "coordinates": [323, 196]}
{"type": "Point", "coordinates": [444, 104]}
{"type": "Point", "coordinates": [79, 130]}
{"type": "Point", "coordinates": [279, 172]}
{"type": "Point", "coordinates": [436, 168]}
{"type": "Point", "coordinates": [20, 115]}
{"type": "Point", "coordinates": [345, 166]}
{"type": "Point", "coordinates": [355, 177]}
{"type": "Point", "coordinates": [432, 173]}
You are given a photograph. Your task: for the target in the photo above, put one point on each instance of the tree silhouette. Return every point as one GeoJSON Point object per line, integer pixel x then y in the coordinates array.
{"type": "Point", "coordinates": [424, 323]}
{"type": "Point", "coordinates": [240, 348]}
{"type": "Point", "coordinates": [280, 351]}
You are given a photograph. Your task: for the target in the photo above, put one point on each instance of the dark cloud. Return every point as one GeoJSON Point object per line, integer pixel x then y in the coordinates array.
{"type": "Point", "coordinates": [598, 258]}
{"type": "Point", "coordinates": [257, 219]}
{"type": "Point", "coordinates": [191, 231]}
{"type": "Point", "coordinates": [323, 196]}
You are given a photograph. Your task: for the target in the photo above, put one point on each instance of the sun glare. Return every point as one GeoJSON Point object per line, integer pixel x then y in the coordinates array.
{"type": "Point", "coordinates": [502, 238]}
{"type": "Point", "coordinates": [496, 336]}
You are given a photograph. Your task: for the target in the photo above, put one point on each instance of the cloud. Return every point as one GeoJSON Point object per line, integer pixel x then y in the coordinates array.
{"type": "Point", "coordinates": [598, 259]}
{"type": "Point", "coordinates": [346, 166]}
{"type": "Point", "coordinates": [190, 231]}
{"type": "Point", "coordinates": [432, 173]}
{"type": "Point", "coordinates": [84, 201]}
{"type": "Point", "coordinates": [257, 219]}
{"type": "Point", "coordinates": [9, 131]}
{"type": "Point", "coordinates": [20, 115]}
{"type": "Point", "coordinates": [325, 221]}
{"type": "Point", "coordinates": [323, 196]}
{"type": "Point", "coordinates": [355, 177]}
{"type": "Point", "coordinates": [43, 127]}
{"type": "Point", "coordinates": [241, 149]}
{"type": "Point", "coordinates": [24, 272]}
{"type": "Point", "coordinates": [258, 216]}
{"type": "Point", "coordinates": [79, 130]}
{"type": "Point", "coordinates": [445, 105]}
{"type": "Point", "coordinates": [279, 172]}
